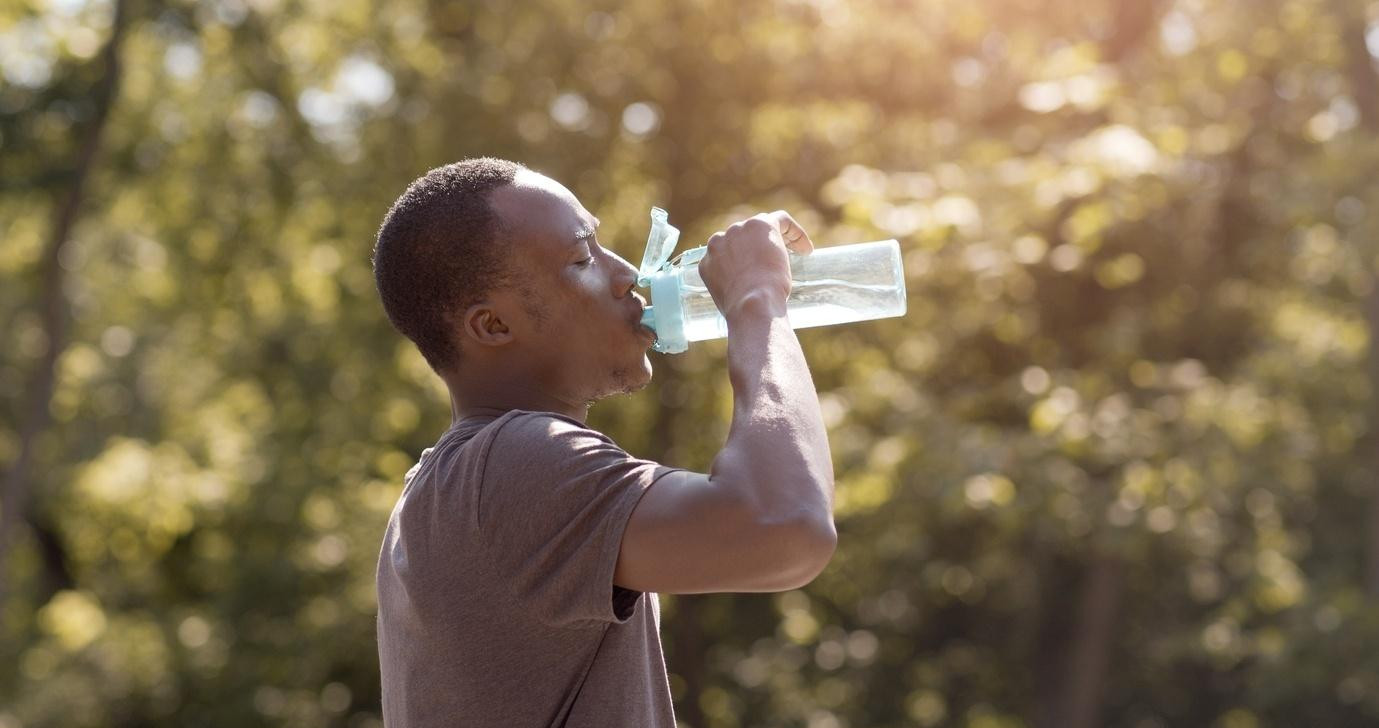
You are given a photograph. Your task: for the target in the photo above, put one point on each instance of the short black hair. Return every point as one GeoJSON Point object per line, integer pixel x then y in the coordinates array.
{"type": "Point", "coordinates": [440, 250]}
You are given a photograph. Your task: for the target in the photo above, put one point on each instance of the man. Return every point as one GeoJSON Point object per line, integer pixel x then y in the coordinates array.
{"type": "Point", "coordinates": [518, 576]}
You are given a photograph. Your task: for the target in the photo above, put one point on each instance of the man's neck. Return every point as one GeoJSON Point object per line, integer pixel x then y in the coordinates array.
{"type": "Point", "coordinates": [495, 398]}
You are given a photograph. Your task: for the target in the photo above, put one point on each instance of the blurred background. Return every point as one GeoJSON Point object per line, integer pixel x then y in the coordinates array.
{"type": "Point", "coordinates": [1116, 467]}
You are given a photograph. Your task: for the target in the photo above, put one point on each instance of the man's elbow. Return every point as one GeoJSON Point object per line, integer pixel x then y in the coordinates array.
{"type": "Point", "coordinates": [813, 547]}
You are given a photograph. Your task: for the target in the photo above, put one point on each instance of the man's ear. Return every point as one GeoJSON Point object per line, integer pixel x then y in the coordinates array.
{"type": "Point", "coordinates": [482, 325]}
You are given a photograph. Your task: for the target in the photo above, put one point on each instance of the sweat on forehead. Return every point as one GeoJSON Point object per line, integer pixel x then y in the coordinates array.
{"type": "Point", "coordinates": [586, 229]}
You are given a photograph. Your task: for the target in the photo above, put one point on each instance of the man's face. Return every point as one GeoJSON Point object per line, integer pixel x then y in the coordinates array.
{"type": "Point", "coordinates": [580, 327]}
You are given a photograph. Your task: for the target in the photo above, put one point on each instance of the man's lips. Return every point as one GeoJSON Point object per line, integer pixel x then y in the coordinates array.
{"type": "Point", "coordinates": [644, 331]}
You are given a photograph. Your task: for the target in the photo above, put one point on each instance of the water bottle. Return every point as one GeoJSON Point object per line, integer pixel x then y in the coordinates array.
{"type": "Point", "coordinates": [834, 285]}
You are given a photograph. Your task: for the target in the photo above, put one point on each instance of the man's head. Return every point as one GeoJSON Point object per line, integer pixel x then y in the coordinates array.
{"type": "Point", "coordinates": [495, 271]}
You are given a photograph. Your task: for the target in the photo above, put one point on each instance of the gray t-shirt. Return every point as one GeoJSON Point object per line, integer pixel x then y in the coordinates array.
{"type": "Point", "coordinates": [496, 603]}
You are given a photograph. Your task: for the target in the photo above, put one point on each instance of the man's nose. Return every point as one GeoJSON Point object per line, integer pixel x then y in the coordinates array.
{"type": "Point", "coordinates": [624, 275]}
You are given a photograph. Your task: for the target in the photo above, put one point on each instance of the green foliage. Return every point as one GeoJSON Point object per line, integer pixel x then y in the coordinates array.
{"type": "Point", "coordinates": [1131, 384]}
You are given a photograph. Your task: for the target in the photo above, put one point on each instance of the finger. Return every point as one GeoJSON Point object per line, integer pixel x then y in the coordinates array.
{"type": "Point", "coordinates": [795, 237]}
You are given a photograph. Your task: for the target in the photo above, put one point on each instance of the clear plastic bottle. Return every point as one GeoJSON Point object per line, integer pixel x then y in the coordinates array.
{"type": "Point", "coordinates": [833, 285]}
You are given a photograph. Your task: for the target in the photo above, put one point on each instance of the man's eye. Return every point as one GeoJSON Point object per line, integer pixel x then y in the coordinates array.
{"type": "Point", "coordinates": [582, 263]}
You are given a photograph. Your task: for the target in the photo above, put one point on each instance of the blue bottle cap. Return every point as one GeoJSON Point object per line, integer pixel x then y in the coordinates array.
{"type": "Point", "coordinates": [666, 315]}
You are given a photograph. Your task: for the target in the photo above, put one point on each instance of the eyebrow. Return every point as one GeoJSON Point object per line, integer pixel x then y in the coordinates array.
{"type": "Point", "coordinates": [586, 232]}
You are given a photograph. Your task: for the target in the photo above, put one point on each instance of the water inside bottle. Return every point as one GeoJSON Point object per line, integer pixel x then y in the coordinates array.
{"type": "Point", "coordinates": [821, 302]}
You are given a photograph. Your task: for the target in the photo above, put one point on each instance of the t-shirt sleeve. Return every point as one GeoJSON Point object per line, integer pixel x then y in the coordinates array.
{"type": "Point", "coordinates": [554, 501]}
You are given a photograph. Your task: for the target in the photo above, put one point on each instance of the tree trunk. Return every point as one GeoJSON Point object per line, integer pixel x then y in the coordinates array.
{"type": "Point", "coordinates": [1371, 443]}
{"type": "Point", "coordinates": [36, 416]}
{"type": "Point", "coordinates": [1089, 657]}
{"type": "Point", "coordinates": [1132, 23]}
{"type": "Point", "coordinates": [1364, 88]}
{"type": "Point", "coordinates": [685, 633]}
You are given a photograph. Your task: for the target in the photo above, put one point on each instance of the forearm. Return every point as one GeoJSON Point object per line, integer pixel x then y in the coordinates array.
{"type": "Point", "coordinates": [777, 448]}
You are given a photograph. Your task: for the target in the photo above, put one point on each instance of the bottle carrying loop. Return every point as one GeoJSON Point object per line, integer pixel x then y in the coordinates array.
{"type": "Point", "coordinates": [666, 314]}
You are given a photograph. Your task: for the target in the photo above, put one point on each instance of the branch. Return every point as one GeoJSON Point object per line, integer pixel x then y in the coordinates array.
{"type": "Point", "coordinates": [1364, 82]}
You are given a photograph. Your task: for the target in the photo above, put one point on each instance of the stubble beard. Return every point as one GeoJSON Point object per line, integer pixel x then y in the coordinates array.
{"type": "Point", "coordinates": [624, 380]}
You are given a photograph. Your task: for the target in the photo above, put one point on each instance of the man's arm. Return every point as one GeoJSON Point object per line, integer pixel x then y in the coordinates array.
{"type": "Point", "coordinates": [762, 519]}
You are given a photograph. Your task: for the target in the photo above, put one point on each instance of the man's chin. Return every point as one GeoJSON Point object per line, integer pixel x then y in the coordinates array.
{"type": "Point", "coordinates": [627, 381]}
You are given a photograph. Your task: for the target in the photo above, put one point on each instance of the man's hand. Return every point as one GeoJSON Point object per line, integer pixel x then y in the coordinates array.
{"type": "Point", "coordinates": [749, 260]}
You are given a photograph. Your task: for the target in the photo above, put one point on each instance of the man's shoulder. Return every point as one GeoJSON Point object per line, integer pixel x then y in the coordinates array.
{"type": "Point", "coordinates": [549, 443]}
